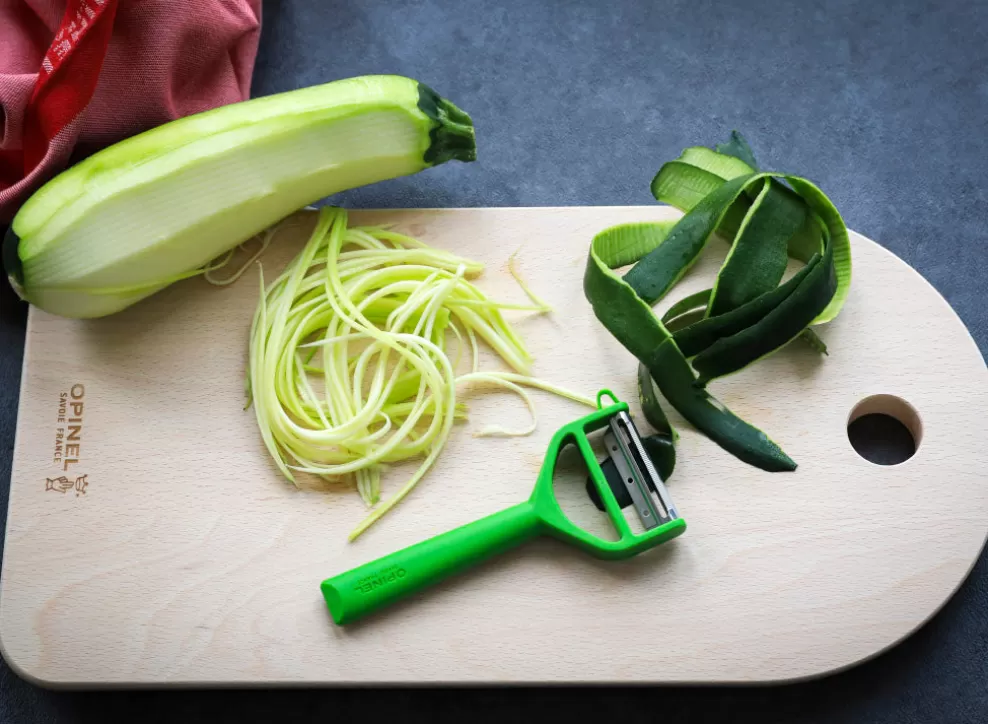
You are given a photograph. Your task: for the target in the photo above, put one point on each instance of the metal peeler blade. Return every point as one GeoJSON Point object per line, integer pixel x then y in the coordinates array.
{"type": "Point", "coordinates": [632, 476]}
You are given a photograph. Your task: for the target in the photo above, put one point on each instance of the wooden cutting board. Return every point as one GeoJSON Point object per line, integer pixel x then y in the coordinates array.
{"type": "Point", "coordinates": [162, 547]}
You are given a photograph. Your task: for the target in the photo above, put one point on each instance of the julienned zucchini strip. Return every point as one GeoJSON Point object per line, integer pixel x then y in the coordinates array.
{"type": "Point", "coordinates": [748, 314]}
{"type": "Point", "coordinates": [348, 367]}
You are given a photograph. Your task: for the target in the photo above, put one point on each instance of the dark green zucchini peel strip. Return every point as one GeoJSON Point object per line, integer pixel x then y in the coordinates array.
{"type": "Point", "coordinates": [749, 313]}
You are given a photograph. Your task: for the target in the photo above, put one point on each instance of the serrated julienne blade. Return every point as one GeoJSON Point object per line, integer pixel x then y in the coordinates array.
{"type": "Point", "coordinates": [638, 473]}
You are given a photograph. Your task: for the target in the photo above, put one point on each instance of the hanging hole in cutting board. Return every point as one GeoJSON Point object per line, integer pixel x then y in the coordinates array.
{"type": "Point", "coordinates": [884, 429]}
{"type": "Point", "coordinates": [569, 487]}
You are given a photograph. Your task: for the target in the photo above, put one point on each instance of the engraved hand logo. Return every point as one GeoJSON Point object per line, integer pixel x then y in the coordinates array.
{"type": "Point", "coordinates": [63, 485]}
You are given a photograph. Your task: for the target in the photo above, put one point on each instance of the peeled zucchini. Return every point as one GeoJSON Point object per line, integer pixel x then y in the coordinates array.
{"type": "Point", "coordinates": [155, 208]}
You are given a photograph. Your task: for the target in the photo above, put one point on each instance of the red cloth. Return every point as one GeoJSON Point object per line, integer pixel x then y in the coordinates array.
{"type": "Point", "coordinates": [77, 75]}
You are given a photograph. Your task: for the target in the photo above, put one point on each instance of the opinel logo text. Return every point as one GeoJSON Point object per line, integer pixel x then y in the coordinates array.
{"type": "Point", "coordinates": [382, 578]}
{"type": "Point", "coordinates": [68, 434]}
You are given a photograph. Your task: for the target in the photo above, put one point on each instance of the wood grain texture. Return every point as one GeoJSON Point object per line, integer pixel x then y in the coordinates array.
{"type": "Point", "coordinates": [188, 560]}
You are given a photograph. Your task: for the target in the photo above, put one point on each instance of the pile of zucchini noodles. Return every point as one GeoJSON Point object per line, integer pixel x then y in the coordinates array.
{"type": "Point", "coordinates": [348, 367]}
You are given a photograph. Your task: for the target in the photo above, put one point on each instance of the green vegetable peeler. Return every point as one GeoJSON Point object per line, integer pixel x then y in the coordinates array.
{"type": "Point", "coordinates": [373, 585]}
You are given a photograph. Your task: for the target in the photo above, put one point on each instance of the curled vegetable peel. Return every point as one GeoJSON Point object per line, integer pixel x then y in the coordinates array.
{"type": "Point", "coordinates": [348, 367]}
{"type": "Point", "coordinates": [748, 313]}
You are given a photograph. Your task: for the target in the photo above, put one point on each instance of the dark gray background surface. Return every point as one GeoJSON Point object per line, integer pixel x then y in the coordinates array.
{"type": "Point", "coordinates": [883, 104]}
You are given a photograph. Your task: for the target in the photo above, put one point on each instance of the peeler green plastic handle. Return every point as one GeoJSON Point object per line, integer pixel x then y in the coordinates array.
{"type": "Point", "coordinates": [373, 585]}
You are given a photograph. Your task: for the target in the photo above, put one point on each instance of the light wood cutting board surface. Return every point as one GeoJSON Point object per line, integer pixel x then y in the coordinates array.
{"type": "Point", "coordinates": [173, 553]}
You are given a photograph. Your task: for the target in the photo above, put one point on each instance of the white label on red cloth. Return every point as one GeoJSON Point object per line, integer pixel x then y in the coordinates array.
{"type": "Point", "coordinates": [79, 14]}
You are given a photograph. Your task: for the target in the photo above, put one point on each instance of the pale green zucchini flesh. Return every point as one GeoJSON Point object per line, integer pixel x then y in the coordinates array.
{"type": "Point", "coordinates": [154, 208]}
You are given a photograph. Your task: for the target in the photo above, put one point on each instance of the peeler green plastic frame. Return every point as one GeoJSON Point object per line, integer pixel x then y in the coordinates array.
{"type": "Point", "coordinates": [373, 585]}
